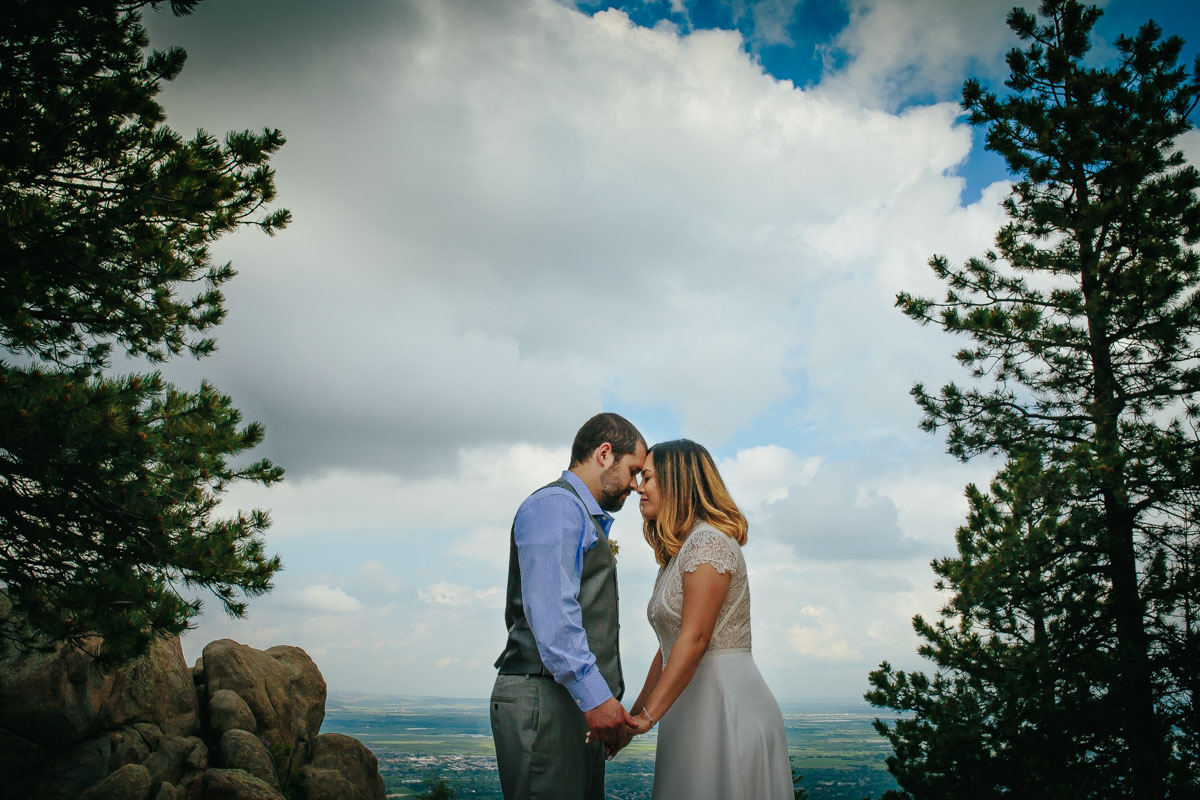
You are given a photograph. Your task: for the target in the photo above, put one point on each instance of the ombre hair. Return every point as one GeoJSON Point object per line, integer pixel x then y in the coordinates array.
{"type": "Point", "coordinates": [692, 492]}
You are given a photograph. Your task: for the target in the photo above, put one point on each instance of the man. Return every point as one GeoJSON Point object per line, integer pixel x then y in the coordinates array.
{"type": "Point", "coordinates": [556, 706]}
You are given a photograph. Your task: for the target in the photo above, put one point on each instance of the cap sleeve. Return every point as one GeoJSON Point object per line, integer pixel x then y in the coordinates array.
{"type": "Point", "coordinates": [707, 545]}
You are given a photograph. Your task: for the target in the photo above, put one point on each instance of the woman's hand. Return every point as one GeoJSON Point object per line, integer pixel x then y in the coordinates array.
{"type": "Point", "coordinates": [642, 724]}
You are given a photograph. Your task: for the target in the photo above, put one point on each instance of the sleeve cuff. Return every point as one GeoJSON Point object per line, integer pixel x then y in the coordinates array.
{"type": "Point", "coordinates": [589, 691]}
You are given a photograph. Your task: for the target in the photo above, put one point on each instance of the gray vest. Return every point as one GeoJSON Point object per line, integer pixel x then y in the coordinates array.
{"type": "Point", "coordinates": [597, 600]}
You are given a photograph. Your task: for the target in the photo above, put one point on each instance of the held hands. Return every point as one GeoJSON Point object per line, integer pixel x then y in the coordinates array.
{"type": "Point", "coordinates": [611, 749]}
{"type": "Point", "coordinates": [641, 724]}
{"type": "Point", "coordinates": [607, 722]}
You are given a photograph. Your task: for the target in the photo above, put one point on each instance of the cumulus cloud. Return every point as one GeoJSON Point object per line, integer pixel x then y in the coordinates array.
{"type": "Point", "coordinates": [820, 637]}
{"type": "Point", "coordinates": [509, 215]}
{"type": "Point", "coordinates": [1189, 145]}
{"type": "Point", "coordinates": [898, 49]}
{"type": "Point", "coordinates": [508, 212]}
{"type": "Point", "coordinates": [836, 516]}
{"type": "Point", "coordinates": [769, 19]}
{"type": "Point", "coordinates": [763, 475]}
{"type": "Point", "coordinates": [483, 493]}
{"type": "Point", "coordinates": [445, 593]}
{"type": "Point", "coordinates": [321, 597]}
{"type": "Point", "coordinates": [489, 544]}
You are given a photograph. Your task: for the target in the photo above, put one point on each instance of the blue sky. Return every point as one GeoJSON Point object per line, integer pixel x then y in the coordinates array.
{"type": "Point", "coordinates": [511, 215]}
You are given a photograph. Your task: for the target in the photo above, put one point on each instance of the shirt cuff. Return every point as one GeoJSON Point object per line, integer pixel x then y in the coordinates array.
{"type": "Point", "coordinates": [590, 690]}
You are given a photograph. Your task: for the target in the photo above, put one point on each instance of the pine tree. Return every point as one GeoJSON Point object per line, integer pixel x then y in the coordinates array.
{"type": "Point", "coordinates": [108, 482]}
{"type": "Point", "coordinates": [1066, 658]}
{"type": "Point", "coordinates": [1019, 705]}
{"type": "Point", "coordinates": [436, 788]}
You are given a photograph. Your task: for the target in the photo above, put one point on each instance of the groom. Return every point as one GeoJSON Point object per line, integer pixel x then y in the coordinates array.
{"type": "Point", "coordinates": [560, 672]}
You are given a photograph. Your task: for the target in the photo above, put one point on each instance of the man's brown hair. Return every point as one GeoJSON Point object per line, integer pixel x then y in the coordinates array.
{"type": "Point", "coordinates": [605, 427]}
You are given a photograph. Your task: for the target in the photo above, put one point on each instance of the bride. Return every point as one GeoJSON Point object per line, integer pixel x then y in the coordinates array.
{"type": "Point", "coordinates": [720, 729]}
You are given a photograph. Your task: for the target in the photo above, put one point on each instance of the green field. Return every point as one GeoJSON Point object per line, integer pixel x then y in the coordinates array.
{"type": "Point", "coordinates": [836, 749]}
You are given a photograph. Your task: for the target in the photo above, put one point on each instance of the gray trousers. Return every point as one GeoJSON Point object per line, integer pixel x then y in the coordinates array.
{"type": "Point", "coordinates": [539, 733]}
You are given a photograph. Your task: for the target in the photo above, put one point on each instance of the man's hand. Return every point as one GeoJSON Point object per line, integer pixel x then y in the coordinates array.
{"type": "Point", "coordinates": [607, 721]}
{"type": "Point", "coordinates": [612, 748]}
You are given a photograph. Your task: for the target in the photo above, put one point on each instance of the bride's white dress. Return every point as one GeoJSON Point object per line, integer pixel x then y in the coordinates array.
{"type": "Point", "coordinates": [723, 738]}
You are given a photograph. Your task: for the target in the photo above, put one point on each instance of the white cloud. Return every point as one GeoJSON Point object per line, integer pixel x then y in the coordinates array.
{"type": "Point", "coordinates": [769, 19]}
{"type": "Point", "coordinates": [837, 516]}
{"type": "Point", "coordinates": [902, 48]}
{"type": "Point", "coordinates": [444, 593]}
{"type": "Point", "coordinates": [824, 641]}
{"type": "Point", "coordinates": [1189, 145]}
{"type": "Point", "coordinates": [323, 598]}
{"type": "Point", "coordinates": [763, 475]}
{"type": "Point", "coordinates": [494, 231]}
{"type": "Point", "coordinates": [484, 493]}
{"type": "Point", "coordinates": [488, 543]}
{"type": "Point", "coordinates": [509, 215]}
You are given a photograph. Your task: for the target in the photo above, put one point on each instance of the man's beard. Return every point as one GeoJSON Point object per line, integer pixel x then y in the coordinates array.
{"type": "Point", "coordinates": [613, 490]}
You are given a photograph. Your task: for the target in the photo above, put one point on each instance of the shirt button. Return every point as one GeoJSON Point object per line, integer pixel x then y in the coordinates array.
{"type": "Point", "coordinates": [578, 702]}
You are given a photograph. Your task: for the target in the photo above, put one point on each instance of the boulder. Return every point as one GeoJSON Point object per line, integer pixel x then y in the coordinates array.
{"type": "Point", "coordinates": [71, 732]}
{"type": "Point", "coordinates": [282, 687]}
{"type": "Point", "coordinates": [151, 734]}
{"type": "Point", "coordinates": [236, 784]}
{"type": "Point", "coordinates": [227, 711]}
{"type": "Point", "coordinates": [20, 760]}
{"type": "Point", "coordinates": [59, 696]}
{"type": "Point", "coordinates": [307, 687]}
{"type": "Point", "coordinates": [243, 750]}
{"type": "Point", "coordinates": [352, 759]}
{"type": "Point", "coordinates": [175, 756]}
{"type": "Point", "coordinates": [66, 774]}
{"type": "Point", "coordinates": [324, 784]}
{"type": "Point", "coordinates": [128, 746]}
{"type": "Point", "coordinates": [157, 688]}
{"type": "Point", "coordinates": [190, 786]}
{"type": "Point", "coordinates": [130, 782]}
{"type": "Point", "coordinates": [45, 696]}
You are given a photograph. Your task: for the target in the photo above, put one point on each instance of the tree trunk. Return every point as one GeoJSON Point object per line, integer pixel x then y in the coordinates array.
{"type": "Point", "coordinates": [1143, 734]}
{"type": "Point", "coordinates": [1143, 737]}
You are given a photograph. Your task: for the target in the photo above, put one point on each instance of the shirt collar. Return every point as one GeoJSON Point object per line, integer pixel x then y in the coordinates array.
{"type": "Point", "coordinates": [585, 495]}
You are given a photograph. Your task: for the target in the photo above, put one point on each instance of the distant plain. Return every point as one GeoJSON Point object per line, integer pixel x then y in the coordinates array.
{"type": "Point", "coordinates": [416, 739]}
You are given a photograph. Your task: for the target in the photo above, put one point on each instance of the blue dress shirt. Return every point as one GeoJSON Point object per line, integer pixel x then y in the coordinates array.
{"type": "Point", "coordinates": [553, 530]}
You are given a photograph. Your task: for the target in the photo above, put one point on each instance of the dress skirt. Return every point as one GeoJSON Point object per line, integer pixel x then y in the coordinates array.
{"type": "Point", "coordinates": [723, 738]}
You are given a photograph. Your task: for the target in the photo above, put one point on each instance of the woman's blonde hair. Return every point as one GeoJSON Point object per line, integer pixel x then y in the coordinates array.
{"type": "Point", "coordinates": [692, 491]}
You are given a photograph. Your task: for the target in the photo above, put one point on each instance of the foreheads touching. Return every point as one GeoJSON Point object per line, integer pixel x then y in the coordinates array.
{"type": "Point", "coordinates": [607, 454]}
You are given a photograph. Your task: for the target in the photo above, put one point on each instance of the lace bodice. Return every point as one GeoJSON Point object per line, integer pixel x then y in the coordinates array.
{"type": "Point", "coordinates": [704, 545]}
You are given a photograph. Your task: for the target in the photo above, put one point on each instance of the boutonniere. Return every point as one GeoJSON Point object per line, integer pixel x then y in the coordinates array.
{"type": "Point", "coordinates": [616, 548]}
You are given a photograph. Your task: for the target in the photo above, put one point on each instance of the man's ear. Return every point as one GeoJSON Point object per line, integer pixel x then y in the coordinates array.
{"type": "Point", "coordinates": [604, 455]}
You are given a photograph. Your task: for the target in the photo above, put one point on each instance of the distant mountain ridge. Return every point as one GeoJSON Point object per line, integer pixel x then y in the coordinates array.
{"type": "Point", "coordinates": [367, 701]}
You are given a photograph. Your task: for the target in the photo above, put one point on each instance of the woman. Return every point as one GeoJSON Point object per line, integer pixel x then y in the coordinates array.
{"type": "Point", "coordinates": [720, 730]}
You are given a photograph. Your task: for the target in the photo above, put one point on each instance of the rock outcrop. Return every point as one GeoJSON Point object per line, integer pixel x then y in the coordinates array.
{"type": "Point", "coordinates": [242, 724]}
